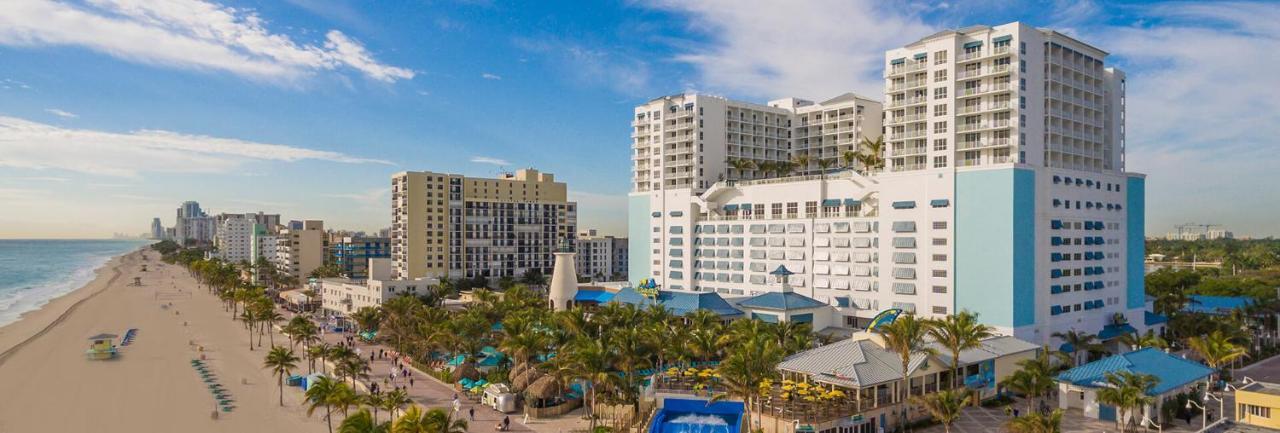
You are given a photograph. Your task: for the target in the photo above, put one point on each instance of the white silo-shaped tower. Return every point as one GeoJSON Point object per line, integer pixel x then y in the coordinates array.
{"type": "Point", "coordinates": [564, 279]}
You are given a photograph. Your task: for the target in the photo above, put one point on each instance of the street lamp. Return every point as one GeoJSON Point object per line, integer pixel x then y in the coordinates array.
{"type": "Point", "coordinates": [1221, 403]}
{"type": "Point", "coordinates": [1204, 416]}
{"type": "Point", "coordinates": [1148, 423]}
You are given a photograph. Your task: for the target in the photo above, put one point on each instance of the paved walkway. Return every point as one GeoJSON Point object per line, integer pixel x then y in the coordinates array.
{"type": "Point", "coordinates": [982, 420]}
{"type": "Point", "coordinates": [431, 393]}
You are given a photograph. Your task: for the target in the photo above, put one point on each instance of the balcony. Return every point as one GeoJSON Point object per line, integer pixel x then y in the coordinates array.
{"type": "Point", "coordinates": [906, 102]}
{"type": "Point", "coordinates": [907, 134]}
{"type": "Point", "coordinates": [908, 151]}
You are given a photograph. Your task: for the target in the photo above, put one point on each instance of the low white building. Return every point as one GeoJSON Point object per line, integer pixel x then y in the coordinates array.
{"type": "Point", "coordinates": [344, 296]}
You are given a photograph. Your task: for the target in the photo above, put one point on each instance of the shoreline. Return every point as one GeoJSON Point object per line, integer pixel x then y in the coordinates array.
{"type": "Point", "coordinates": [30, 324]}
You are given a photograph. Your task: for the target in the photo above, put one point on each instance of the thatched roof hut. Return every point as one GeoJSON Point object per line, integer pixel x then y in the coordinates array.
{"type": "Point", "coordinates": [544, 388]}
{"type": "Point", "coordinates": [466, 370]}
{"type": "Point", "coordinates": [520, 367]}
{"type": "Point", "coordinates": [526, 377]}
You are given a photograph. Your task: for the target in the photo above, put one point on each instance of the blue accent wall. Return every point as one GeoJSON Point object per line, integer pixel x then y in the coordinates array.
{"type": "Point", "coordinates": [995, 245]}
{"type": "Point", "coordinates": [638, 234]}
{"type": "Point", "coordinates": [1136, 246]}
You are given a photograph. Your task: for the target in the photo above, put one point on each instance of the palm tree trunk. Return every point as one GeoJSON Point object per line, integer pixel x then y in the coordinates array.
{"type": "Point", "coordinates": [280, 383]}
{"type": "Point", "coordinates": [250, 338]}
{"type": "Point", "coordinates": [328, 417]}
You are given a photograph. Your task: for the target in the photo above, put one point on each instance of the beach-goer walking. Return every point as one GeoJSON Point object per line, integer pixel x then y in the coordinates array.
{"type": "Point", "coordinates": [471, 413]}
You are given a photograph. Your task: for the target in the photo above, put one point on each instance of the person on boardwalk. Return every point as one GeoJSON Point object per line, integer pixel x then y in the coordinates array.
{"type": "Point", "coordinates": [471, 413]}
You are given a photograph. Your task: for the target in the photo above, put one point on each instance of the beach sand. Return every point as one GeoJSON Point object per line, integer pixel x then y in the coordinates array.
{"type": "Point", "coordinates": [46, 384]}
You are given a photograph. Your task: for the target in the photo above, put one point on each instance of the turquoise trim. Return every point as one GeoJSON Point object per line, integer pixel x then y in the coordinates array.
{"type": "Point", "coordinates": [995, 245]}
{"type": "Point", "coordinates": [638, 264]}
{"type": "Point", "coordinates": [1135, 223]}
{"type": "Point", "coordinates": [904, 205]}
{"type": "Point", "coordinates": [942, 202]}
{"type": "Point", "coordinates": [852, 202]}
{"type": "Point", "coordinates": [921, 56]}
{"type": "Point", "coordinates": [898, 61]}
{"type": "Point", "coordinates": [973, 44]}
{"type": "Point", "coordinates": [1002, 38]}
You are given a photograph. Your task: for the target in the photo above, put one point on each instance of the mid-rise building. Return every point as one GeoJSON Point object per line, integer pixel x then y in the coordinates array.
{"type": "Point", "coordinates": [344, 296]}
{"type": "Point", "coordinates": [300, 251]}
{"type": "Point", "coordinates": [462, 227]}
{"type": "Point", "coordinates": [234, 239]}
{"type": "Point", "coordinates": [601, 258]}
{"type": "Point", "coordinates": [193, 225]}
{"type": "Point", "coordinates": [352, 254]}
{"type": "Point", "coordinates": [157, 229]}
{"type": "Point", "coordinates": [1003, 193]}
{"type": "Point", "coordinates": [264, 243]}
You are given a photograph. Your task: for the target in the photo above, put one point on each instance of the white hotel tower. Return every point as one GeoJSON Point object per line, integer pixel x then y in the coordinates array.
{"type": "Point", "coordinates": [1003, 193]}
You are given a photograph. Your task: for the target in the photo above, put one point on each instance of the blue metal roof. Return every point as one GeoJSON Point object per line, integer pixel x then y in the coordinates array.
{"type": "Point", "coordinates": [597, 296]}
{"type": "Point", "coordinates": [1171, 371]}
{"type": "Point", "coordinates": [1112, 331]}
{"type": "Point", "coordinates": [1150, 318]}
{"type": "Point", "coordinates": [680, 303]}
{"type": "Point", "coordinates": [1216, 304]}
{"type": "Point", "coordinates": [781, 301]}
{"type": "Point", "coordinates": [782, 271]}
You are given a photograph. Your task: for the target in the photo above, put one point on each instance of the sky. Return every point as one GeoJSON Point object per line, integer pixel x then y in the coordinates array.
{"type": "Point", "coordinates": [113, 112]}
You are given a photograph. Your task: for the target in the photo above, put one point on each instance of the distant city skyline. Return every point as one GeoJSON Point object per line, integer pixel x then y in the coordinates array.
{"type": "Point", "coordinates": [100, 133]}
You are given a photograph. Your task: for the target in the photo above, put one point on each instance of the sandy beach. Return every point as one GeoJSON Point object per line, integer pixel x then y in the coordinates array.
{"type": "Point", "coordinates": [49, 385]}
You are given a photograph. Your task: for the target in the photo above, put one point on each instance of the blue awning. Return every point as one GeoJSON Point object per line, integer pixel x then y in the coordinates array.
{"type": "Point", "coordinates": [904, 205]}
{"type": "Point", "coordinates": [1002, 38]}
{"type": "Point", "coordinates": [745, 206]}
{"type": "Point", "coordinates": [731, 207]}
{"type": "Point", "coordinates": [852, 202]}
{"type": "Point", "coordinates": [597, 296]}
{"type": "Point", "coordinates": [942, 202]}
{"type": "Point", "coordinates": [831, 202]}
{"type": "Point", "coordinates": [1112, 331]}
{"type": "Point", "coordinates": [1066, 348]}
{"type": "Point", "coordinates": [973, 44]}
{"type": "Point", "coordinates": [657, 214]}
{"type": "Point", "coordinates": [898, 61]}
{"type": "Point", "coordinates": [1150, 318]}
{"type": "Point", "coordinates": [921, 56]}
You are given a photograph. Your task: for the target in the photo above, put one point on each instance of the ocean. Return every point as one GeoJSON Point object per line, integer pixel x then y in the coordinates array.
{"type": "Point", "coordinates": [32, 272]}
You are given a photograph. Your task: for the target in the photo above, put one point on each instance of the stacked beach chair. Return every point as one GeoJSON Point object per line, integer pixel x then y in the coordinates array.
{"type": "Point", "coordinates": [220, 393]}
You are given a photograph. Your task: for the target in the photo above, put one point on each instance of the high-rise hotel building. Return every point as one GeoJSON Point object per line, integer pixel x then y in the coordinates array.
{"type": "Point", "coordinates": [1003, 193]}
{"type": "Point", "coordinates": [462, 227]}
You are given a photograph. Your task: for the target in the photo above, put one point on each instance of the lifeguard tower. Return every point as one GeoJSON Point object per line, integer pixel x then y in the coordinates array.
{"type": "Point", "coordinates": [102, 347]}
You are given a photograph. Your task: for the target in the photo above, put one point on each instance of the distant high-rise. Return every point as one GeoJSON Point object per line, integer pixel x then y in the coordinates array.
{"type": "Point", "coordinates": [462, 227]}
{"type": "Point", "coordinates": [157, 229]}
{"type": "Point", "coordinates": [193, 225]}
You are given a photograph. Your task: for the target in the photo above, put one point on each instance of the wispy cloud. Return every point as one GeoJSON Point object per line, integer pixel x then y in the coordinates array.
{"type": "Point", "coordinates": [372, 198]}
{"type": "Point", "coordinates": [61, 113]}
{"type": "Point", "coordinates": [610, 68]}
{"type": "Point", "coordinates": [45, 179]}
{"type": "Point", "coordinates": [810, 49]}
{"type": "Point", "coordinates": [489, 76]}
{"type": "Point", "coordinates": [189, 34]}
{"type": "Point", "coordinates": [33, 145]}
{"type": "Point", "coordinates": [489, 160]}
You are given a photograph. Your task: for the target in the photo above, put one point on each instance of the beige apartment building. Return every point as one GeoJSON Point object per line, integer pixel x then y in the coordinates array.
{"type": "Point", "coordinates": [300, 251]}
{"type": "Point", "coordinates": [462, 227]}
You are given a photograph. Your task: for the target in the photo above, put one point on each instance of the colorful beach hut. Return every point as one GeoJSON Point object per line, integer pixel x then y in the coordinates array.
{"type": "Point", "coordinates": [102, 347]}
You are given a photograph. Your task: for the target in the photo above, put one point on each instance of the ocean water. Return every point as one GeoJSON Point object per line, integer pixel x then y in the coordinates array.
{"type": "Point", "coordinates": [33, 272]}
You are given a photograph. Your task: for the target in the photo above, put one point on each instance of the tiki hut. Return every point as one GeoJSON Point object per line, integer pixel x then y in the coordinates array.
{"type": "Point", "coordinates": [526, 377]}
{"type": "Point", "coordinates": [545, 388]}
{"type": "Point", "coordinates": [466, 370]}
{"type": "Point", "coordinates": [520, 367]}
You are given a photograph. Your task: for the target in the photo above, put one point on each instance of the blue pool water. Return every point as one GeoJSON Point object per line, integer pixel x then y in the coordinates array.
{"type": "Point", "coordinates": [32, 272]}
{"type": "Point", "coordinates": [696, 416]}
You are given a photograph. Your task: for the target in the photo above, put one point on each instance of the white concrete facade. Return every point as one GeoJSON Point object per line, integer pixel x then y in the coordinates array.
{"type": "Point", "coordinates": [1003, 193]}
{"type": "Point", "coordinates": [601, 257]}
{"type": "Point", "coordinates": [234, 239]}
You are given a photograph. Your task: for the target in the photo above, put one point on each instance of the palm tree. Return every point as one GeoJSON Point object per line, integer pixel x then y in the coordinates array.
{"type": "Point", "coordinates": [752, 360]}
{"type": "Point", "coordinates": [1035, 422]}
{"type": "Point", "coordinates": [321, 394]}
{"type": "Point", "coordinates": [945, 406]}
{"type": "Point", "coordinates": [373, 401]}
{"type": "Point", "coordinates": [825, 164]}
{"type": "Point", "coordinates": [1034, 378]}
{"type": "Point", "coordinates": [872, 158]}
{"type": "Point", "coordinates": [590, 359]}
{"type": "Point", "coordinates": [413, 421]}
{"type": "Point", "coordinates": [742, 165]}
{"type": "Point", "coordinates": [1216, 350]}
{"type": "Point", "coordinates": [1135, 341]}
{"type": "Point", "coordinates": [394, 400]}
{"type": "Point", "coordinates": [1127, 392]}
{"type": "Point", "coordinates": [367, 318]}
{"type": "Point", "coordinates": [848, 158]}
{"type": "Point", "coordinates": [281, 361]}
{"type": "Point", "coordinates": [801, 162]}
{"type": "Point", "coordinates": [906, 337]}
{"type": "Point", "coordinates": [441, 421]}
{"type": "Point", "coordinates": [784, 168]}
{"type": "Point", "coordinates": [959, 332]}
{"type": "Point", "coordinates": [1080, 342]}
{"type": "Point", "coordinates": [270, 317]}
{"type": "Point", "coordinates": [362, 422]}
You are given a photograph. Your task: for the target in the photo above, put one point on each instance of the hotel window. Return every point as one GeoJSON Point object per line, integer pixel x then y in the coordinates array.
{"type": "Point", "coordinates": [939, 273]}
{"type": "Point", "coordinates": [939, 57]}
{"type": "Point", "coordinates": [792, 209]}
{"type": "Point", "coordinates": [940, 162]}
{"type": "Point", "coordinates": [940, 93]}
{"type": "Point", "coordinates": [940, 144]}
{"type": "Point", "coordinates": [939, 257]}
{"type": "Point", "coordinates": [940, 75]}
{"type": "Point", "coordinates": [939, 127]}
{"type": "Point", "coordinates": [939, 310]}
{"type": "Point", "coordinates": [811, 208]}
{"type": "Point", "coordinates": [939, 225]}
{"type": "Point", "coordinates": [940, 110]}
{"type": "Point", "coordinates": [939, 241]}
{"type": "Point", "coordinates": [776, 209]}
{"type": "Point", "coordinates": [939, 289]}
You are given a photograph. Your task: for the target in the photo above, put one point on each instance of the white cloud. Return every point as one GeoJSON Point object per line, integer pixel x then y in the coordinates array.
{"type": "Point", "coordinates": [378, 198]}
{"type": "Point", "coordinates": [190, 34]}
{"type": "Point", "coordinates": [32, 145]}
{"type": "Point", "coordinates": [489, 160]}
{"type": "Point", "coordinates": [812, 49]}
{"type": "Point", "coordinates": [489, 76]}
{"type": "Point", "coordinates": [61, 113]}
{"type": "Point", "coordinates": [45, 179]}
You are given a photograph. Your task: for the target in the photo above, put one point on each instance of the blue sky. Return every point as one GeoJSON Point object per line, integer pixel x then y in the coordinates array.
{"type": "Point", "coordinates": [114, 111]}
